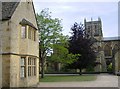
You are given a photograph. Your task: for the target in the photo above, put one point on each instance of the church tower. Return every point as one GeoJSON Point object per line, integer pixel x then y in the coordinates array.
{"type": "Point", "coordinates": [93, 31]}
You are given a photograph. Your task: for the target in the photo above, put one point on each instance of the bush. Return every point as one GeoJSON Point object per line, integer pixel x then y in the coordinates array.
{"type": "Point", "coordinates": [110, 67]}
{"type": "Point", "coordinates": [90, 69]}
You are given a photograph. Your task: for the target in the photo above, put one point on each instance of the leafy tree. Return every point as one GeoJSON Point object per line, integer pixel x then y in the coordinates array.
{"type": "Point", "coordinates": [49, 33]}
{"type": "Point", "coordinates": [78, 44]}
{"type": "Point", "coordinates": [51, 40]}
{"type": "Point", "coordinates": [60, 52]}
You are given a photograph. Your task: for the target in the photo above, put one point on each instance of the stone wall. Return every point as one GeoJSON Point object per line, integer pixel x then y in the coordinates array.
{"type": "Point", "coordinates": [5, 37]}
{"type": "Point", "coordinates": [14, 70]}
{"type": "Point", "coordinates": [117, 62]}
{"type": "Point", "coordinates": [114, 48]}
{"type": "Point", "coordinates": [5, 70]}
{"type": "Point", "coordinates": [5, 48]}
{"type": "Point", "coordinates": [0, 56]}
{"type": "Point", "coordinates": [0, 71]}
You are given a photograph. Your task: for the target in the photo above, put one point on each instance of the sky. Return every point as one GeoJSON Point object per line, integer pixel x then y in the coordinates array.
{"type": "Point", "coordinates": [71, 11]}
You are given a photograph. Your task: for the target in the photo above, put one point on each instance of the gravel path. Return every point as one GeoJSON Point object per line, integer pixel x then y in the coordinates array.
{"type": "Point", "coordinates": [103, 80]}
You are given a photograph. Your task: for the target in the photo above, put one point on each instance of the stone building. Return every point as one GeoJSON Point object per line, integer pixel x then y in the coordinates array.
{"type": "Point", "coordinates": [112, 52]}
{"type": "Point", "coordinates": [19, 45]}
{"type": "Point", "coordinates": [107, 49]}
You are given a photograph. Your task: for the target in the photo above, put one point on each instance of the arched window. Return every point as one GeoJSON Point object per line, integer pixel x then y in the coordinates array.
{"type": "Point", "coordinates": [115, 48]}
{"type": "Point", "coordinates": [99, 48]}
{"type": "Point", "coordinates": [107, 50]}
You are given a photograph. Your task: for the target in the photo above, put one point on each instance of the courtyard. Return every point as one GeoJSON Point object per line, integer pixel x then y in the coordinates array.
{"type": "Point", "coordinates": [102, 80]}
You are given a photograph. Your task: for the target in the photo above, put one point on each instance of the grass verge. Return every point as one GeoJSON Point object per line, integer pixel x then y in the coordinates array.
{"type": "Point", "coordinates": [70, 78]}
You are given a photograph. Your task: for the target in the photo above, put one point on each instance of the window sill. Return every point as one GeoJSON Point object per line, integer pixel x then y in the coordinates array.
{"type": "Point", "coordinates": [22, 78]}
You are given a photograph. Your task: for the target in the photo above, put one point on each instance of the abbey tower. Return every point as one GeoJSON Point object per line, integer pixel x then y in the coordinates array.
{"type": "Point", "coordinates": [93, 31]}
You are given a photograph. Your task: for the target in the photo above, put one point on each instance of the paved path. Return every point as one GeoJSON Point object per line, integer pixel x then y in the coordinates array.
{"type": "Point", "coordinates": [103, 80]}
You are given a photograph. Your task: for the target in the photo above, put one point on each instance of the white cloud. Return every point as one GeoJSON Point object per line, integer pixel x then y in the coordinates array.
{"type": "Point", "coordinates": [77, 11]}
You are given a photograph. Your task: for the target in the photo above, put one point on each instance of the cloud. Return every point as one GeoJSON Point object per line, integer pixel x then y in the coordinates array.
{"type": "Point", "coordinates": [79, 7]}
{"type": "Point", "coordinates": [72, 12]}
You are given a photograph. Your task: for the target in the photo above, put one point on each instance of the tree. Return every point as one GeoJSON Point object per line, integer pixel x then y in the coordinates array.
{"type": "Point", "coordinates": [49, 33]}
{"type": "Point", "coordinates": [78, 44]}
{"type": "Point", "coordinates": [60, 52]}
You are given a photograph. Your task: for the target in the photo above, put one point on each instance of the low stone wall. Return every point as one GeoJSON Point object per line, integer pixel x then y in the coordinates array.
{"type": "Point", "coordinates": [0, 71]}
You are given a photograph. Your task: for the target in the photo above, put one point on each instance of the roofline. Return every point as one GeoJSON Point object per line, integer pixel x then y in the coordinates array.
{"type": "Point", "coordinates": [110, 40]}
{"type": "Point", "coordinates": [117, 39]}
{"type": "Point", "coordinates": [12, 12]}
{"type": "Point", "coordinates": [8, 18]}
{"type": "Point", "coordinates": [35, 15]}
{"type": "Point", "coordinates": [27, 23]}
{"type": "Point", "coordinates": [92, 21]}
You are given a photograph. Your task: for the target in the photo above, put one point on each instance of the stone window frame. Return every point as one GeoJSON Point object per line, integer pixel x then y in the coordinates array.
{"type": "Point", "coordinates": [23, 33]}
{"type": "Point", "coordinates": [31, 66]}
{"type": "Point", "coordinates": [31, 33]}
{"type": "Point", "coordinates": [30, 29]}
{"type": "Point", "coordinates": [23, 65]}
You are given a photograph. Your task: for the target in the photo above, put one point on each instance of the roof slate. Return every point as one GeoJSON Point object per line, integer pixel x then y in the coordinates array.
{"type": "Point", "coordinates": [8, 9]}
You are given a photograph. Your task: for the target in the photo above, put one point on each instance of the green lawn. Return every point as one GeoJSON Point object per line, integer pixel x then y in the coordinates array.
{"type": "Point", "coordinates": [73, 78]}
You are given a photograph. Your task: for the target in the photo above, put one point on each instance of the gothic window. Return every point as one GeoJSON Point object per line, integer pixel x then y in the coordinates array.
{"type": "Point", "coordinates": [108, 50]}
{"type": "Point", "coordinates": [99, 48]}
{"type": "Point", "coordinates": [115, 49]}
{"type": "Point", "coordinates": [96, 32]}
{"type": "Point", "coordinates": [95, 26]}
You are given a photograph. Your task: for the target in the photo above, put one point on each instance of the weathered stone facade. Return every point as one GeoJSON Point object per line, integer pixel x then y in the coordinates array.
{"type": "Point", "coordinates": [107, 49]}
{"type": "Point", "coordinates": [111, 51]}
{"type": "Point", "coordinates": [14, 47]}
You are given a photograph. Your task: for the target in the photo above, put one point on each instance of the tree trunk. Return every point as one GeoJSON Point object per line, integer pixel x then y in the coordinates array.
{"type": "Point", "coordinates": [80, 73]}
{"type": "Point", "coordinates": [42, 68]}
